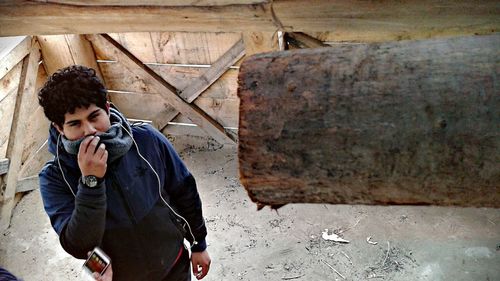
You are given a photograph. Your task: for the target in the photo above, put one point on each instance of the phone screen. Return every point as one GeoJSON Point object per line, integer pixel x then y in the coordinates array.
{"type": "Point", "coordinates": [96, 263]}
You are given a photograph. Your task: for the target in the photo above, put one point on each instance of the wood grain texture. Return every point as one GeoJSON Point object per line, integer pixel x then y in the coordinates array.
{"type": "Point", "coordinates": [4, 166]}
{"type": "Point", "coordinates": [25, 95]}
{"type": "Point", "coordinates": [175, 47]}
{"type": "Point", "coordinates": [167, 91]}
{"type": "Point", "coordinates": [12, 56]}
{"type": "Point", "coordinates": [347, 19]}
{"type": "Point", "coordinates": [60, 51]}
{"type": "Point", "coordinates": [9, 84]}
{"type": "Point", "coordinates": [395, 123]}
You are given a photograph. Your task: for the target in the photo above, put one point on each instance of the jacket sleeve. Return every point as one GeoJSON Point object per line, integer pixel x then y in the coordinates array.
{"type": "Point", "coordinates": [181, 188]}
{"type": "Point", "coordinates": [79, 221]}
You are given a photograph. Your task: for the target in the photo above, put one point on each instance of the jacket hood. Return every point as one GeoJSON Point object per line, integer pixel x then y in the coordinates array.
{"type": "Point", "coordinates": [64, 156]}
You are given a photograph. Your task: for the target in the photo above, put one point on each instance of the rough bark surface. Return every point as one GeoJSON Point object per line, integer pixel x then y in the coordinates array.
{"type": "Point", "coordinates": [396, 123]}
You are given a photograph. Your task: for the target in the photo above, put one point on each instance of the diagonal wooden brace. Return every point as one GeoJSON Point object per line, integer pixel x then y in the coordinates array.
{"type": "Point", "coordinates": [167, 91]}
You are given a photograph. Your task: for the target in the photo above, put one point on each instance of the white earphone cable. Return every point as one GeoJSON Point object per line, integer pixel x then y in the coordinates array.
{"type": "Point", "coordinates": [60, 168]}
{"type": "Point", "coordinates": [152, 169]}
{"type": "Point", "coordinates": [159, 187]}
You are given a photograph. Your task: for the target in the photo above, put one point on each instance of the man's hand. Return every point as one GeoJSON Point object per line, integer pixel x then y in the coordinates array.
{"type": "Point", "coordinates": [92, 161]}
{"type": "Point", "coordinates": [201, 264]}
{"type": "Point", "coordinates": [107, 276]}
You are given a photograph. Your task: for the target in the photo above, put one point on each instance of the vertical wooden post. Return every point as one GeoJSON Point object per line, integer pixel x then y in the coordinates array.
{"type": "Point", "coordinates": [25, 95]}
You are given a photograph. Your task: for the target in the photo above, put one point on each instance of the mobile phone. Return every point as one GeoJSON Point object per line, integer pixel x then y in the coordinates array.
{"type": "Point", "coordinates": [98, 262]}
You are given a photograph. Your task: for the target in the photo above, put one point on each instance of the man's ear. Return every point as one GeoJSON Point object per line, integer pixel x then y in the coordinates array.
{"type": "Point", "coordinates": [107, 107]}
{"type": "Point", "coordinates": [59, 129]}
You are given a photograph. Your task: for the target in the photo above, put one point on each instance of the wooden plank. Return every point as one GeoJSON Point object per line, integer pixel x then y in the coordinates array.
{"type": "Point", "coordinates": [151, 106]}
{"type": "Point", "coordinates": [119, 78]}
{"type": "Point", "coordinates": [55, 52]}
{"type": "Point", "coordinates": [158, 2]}
{"type": "Point", "coordinates": [27, 184]}
{"type": "Point", "coordinates": [410, 18]}
{"type": "Point", "coordinates": [9, 85]}
{"type": "Point", "coordinates": [260, 42]}
{"type": "Point", "coordinates": [12, 56]}
{"type": "Point", "coordinates": [394, 123]}
{"type": "Point", "coordinates": [36, 161]}
{"type": "Point", "coordinates": [174, 47]}
{"type": "Point", "coordinates": [4, 166]}
{"type": "Point", "coordinates": [166, 90]}
{"type": "Point", "coordinates": [26, 93]}
{"type": "Point", "coordinates": [192, 91]}
{"type": "Point", "coordinates": [192, 47]}
{"type": "Point", "coordinates": [82, 52]}
{"type": "Point", "coordinates": [138, 43]}
{"type": "Point", "coordinates": [219, 100]}
{"type": "Point", "coordinates": [174, 129]}
{"type": "Point", "coordinates": [206, 79]}
{"type": "Point", "coordinates": [37, 128]}
{"type": "Point", "coordinates": [59, 51]}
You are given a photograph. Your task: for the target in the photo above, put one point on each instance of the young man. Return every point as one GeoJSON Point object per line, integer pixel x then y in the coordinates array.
{"type": "Point", "coordinates": [122, 188]}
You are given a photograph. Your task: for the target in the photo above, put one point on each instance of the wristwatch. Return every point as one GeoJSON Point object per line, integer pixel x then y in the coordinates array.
{"type": "Point", "coordinates": [90, 181]}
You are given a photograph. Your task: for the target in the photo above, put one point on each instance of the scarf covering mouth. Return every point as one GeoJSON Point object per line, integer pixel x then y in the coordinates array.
{"type": "Point", "coordinates": [117, 141]}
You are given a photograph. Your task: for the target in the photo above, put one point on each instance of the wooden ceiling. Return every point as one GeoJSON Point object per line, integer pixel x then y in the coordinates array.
{"type": "Point", "coordinates": [340, 20]}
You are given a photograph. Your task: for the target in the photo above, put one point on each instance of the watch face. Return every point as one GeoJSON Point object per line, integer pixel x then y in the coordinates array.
{"type": "Point", "coordinates": [90, 181]}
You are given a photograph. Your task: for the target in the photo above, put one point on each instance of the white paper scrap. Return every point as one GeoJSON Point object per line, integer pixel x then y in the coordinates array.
{"type": "Point", "coordinates": [333, 237]}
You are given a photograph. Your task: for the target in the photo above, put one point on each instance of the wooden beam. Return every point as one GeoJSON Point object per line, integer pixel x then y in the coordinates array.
{"type": "Point", "coordinates": [4, 166]}
{"type": "Point", "coordinates": [26, 94]}
{"type": "Point", "coordinates": [206, 79]}
{"type": "Point", "coordinates": [27, 184]}
{"type": "Point", "coordinates": [167, 91]}
{"type": "Point", "coordinates": [9, 85]}
{"type": "Point", "coordinates": [234, 54]}
{"type": "Point", "coordinates": [409, 18]}
{"type": "Point", "coordinates": [13, 56]}
{"type": "Point", "coordinates": [394, 123]}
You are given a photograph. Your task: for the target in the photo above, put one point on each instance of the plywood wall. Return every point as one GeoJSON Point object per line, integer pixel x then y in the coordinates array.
{"type": "Point", "coordinates": [179, 58]}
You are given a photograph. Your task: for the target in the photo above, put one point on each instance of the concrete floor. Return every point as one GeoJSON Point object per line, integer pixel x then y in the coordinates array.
{"type": "Point", "coordinates": [412, 243]}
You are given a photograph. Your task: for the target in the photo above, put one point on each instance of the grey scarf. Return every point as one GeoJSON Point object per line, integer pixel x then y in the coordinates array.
{"type": "Point", "coordinates": [117, 141]}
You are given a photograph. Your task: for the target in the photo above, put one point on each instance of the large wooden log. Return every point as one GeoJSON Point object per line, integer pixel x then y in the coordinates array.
{"type": "Point", "coordinates": [396, 123]}
{"type": "Point", "coordinates": [361, 19]}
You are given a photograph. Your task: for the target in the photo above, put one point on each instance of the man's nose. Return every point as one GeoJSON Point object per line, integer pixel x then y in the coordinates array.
{"type": "Point", "coordinates": [89, 129]}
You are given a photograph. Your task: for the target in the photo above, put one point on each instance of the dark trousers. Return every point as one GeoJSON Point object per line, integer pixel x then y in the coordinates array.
{"type": "Point", "coordinates": [181, 270]}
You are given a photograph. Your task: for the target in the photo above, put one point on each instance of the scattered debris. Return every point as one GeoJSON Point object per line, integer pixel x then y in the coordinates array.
{"type": "Point", "coordinates": [292, 277]}
{"type": "Point", "coordinates": [350, 227]}
{"type": "Point", "coordinates": [333, 269]}
{"type": "Point", "coordinates": [368, 239]}
{"type": "Point", "coordinates": [333, 237]}
{"type": "Point", "coordinates": [388, 250]}
{"type": "Point", "coordinates": [348, 258]}
{"type": "Point", "coordinates": [375, 276]}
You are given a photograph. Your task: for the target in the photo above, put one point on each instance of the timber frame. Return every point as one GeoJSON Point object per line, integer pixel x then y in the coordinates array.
{"type": "Point", "coordinates": [152, 87]}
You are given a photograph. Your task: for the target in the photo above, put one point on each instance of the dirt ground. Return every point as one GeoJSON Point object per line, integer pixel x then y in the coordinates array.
{"type": "Point", "coordinates": [408, 243]}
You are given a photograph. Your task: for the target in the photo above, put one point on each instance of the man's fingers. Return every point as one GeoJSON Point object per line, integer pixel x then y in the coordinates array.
{"type": "Point", "coordinates": [104, 157]}
{"type": "Point", "coordinates": [100, 151]}
{"type": "Point", "coordinates": [194, 267]}
{"type": "Point", "coordinates": [91, 149]}
{"type": "Point", "coordinates": [201, 271]}
{"type": "Point", "coordinates": [85, 144]}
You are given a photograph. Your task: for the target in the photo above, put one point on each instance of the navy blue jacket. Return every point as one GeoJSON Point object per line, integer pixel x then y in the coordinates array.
{"type": "Point", "coordinates": [125, 215]}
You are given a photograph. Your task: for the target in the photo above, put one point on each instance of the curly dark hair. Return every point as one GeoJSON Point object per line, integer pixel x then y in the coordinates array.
{"type": "Point", "coordinates": [69, 88]}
